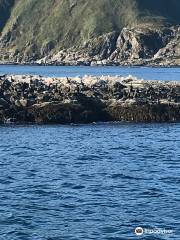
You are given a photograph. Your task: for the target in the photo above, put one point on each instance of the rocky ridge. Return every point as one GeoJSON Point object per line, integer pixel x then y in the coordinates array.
{"type": "Point", "coordinates": [87, 99]}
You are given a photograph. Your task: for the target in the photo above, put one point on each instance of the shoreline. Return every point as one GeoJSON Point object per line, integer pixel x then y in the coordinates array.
{"type": "Point", "coordinates": [98, 123]}
{"type": "Point", "coordinates": [80, 100]}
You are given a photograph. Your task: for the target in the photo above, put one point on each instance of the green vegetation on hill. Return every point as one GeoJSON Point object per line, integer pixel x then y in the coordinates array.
{"type": "Point", "coordinates": [38, 26]}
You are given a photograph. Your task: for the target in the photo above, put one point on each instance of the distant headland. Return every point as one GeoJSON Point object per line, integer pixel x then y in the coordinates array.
{"type": "Point", "coordinates": [90, 33]}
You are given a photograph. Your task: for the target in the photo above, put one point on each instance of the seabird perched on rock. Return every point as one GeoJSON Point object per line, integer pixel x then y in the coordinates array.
{"type": "Point", "coordinates": [2, 76]}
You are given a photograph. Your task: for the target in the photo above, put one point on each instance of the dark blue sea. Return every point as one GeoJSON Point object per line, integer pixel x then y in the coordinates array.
{"type": "Point", "coordinates": [97, 181]}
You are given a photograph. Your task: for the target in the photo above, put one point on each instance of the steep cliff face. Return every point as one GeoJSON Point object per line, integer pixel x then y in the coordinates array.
{"type": "Point", "coordinates": [33, 29]}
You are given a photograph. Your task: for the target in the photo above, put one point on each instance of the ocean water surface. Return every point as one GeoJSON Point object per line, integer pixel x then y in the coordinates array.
{"type": "Point", "coordinates": [146, 73]}
{"type": "Point", "coordinates": [96, 181]}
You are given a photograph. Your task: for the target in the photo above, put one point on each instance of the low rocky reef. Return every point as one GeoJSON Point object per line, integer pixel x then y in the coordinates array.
{"type": "Point", "coordinates": [37, 99]}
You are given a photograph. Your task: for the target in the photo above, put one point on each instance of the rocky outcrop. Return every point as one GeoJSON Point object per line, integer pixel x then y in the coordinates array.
{"type": "Point", "coordinates": [140, 45]}
{"type": "Point", "coordinates": [170, 54]}
{"type": "Point", "coordinates": [88, 99]}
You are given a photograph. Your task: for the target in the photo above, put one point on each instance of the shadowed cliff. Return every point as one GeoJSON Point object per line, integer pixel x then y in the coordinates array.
{"type": "Point", "coordinates": [5, 12]}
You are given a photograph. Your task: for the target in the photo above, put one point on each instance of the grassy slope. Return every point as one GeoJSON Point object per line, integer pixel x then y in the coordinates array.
{"type": "Point", "coordinates": [44, 20]}
{"type": "Point", "coordinates": [65, 24]}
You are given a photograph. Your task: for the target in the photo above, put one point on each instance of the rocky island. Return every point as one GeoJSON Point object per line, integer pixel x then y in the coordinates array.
{"type": "Point", "coordinates": [37, 99]}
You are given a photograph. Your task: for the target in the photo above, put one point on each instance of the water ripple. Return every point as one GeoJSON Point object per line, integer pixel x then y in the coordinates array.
{"type": "Point", "coordinates": [96, 181]}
